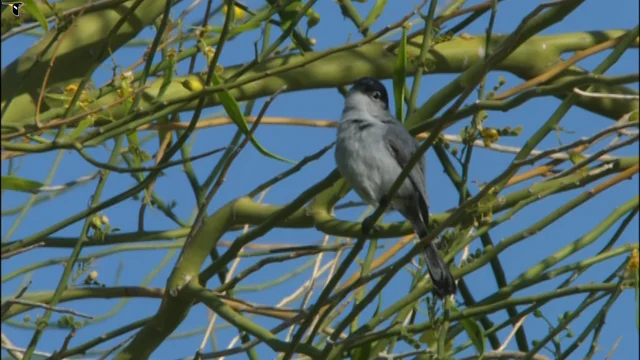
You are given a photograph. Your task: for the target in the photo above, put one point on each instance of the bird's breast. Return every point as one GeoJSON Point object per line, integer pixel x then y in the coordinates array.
{"type": "Point", "coordinates": [364, 160]}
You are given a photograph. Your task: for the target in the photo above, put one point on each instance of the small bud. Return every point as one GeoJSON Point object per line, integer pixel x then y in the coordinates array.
{"type": "Point", "coordinates": [192, 83]}
{"type": "Point", "coordinates": [71, 89]}
{"type": "Point", "coordinates": [128, 75]}
{"type": "Point", "coordinates": [482, 115]}
{"type": "Point", "coordinates": [313, 19]}
{"type": "Point", "coordinates": [634, 261]}
{"type": "Point", "coordinates": [517, 130]}
{"type": "Point", "coordinates": [238, 11]}
{"type": "Point", "coordinates": [92, 275]}
{"type": "Point", "coordinates": [209, 52]}
{"type": "Point", "coordinates": [489, 136]}
{"type": "Point", "coordinates": [96, 222]}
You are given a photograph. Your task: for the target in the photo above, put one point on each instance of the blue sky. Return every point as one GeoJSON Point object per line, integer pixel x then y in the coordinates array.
{"type": "Point", "coordinates": [251, 169]}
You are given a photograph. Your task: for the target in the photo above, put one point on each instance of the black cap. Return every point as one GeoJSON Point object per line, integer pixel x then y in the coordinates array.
{"type": "Point", "coordinates": [369, 85]}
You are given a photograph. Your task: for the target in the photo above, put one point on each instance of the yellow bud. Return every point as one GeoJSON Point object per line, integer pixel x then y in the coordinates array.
{"type": "Point", "coordinates": [192, 83]}
{"type": "Point", "coordinates": [96, 222]}
{"type": "Point", "coordinates": [209, 52]}
{"type": "Point", "coordinates": [105, 219]}
{"type": "Point", "coordinates": [313, 19]}
{"type": "Point", "coordinates": [128, 75]}
{"type": "Point", "coordinates": [92, 275]}
{"type": "Point", "coordinates": [238, 11]}
{"type": "Point", "coordinates": [71, 89]}
{"type": "Point", "coordinates": [171, 52]}
{"type": "Point", "coordinates": [634, 261]}
{"type": "Point", "coordinates": [489, 136]}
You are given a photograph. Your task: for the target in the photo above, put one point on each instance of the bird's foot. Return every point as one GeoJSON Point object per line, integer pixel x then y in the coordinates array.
{"type": "Point", "coordinates": [369, 226]}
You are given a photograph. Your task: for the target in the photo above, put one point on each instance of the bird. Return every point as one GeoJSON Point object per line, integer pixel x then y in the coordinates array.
{"type": "Point", "coordinates": [372, 148]}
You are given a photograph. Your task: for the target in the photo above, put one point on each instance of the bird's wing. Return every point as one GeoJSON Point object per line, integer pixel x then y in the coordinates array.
{"type": "Point", "coordinates": [402, 145]}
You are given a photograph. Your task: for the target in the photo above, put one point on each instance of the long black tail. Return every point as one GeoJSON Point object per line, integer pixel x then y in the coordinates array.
{"type": "Point", "coordinates": [441, 277]}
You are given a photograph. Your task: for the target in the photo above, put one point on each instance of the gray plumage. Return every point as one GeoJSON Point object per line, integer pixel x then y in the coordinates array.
{"type": "Point", "coordinates": [371, 150]}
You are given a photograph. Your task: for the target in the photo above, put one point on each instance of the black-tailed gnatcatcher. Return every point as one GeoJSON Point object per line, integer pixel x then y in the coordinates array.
{"type": "Point", "coordinates": [371, 151]}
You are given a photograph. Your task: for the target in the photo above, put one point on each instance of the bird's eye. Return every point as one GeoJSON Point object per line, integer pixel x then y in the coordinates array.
{"type": "Point", "coordinates": [376, 95]}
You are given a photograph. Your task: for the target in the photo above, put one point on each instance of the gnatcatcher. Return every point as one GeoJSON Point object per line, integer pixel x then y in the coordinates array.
{"type": "Point", "coordinates": [371, 151]}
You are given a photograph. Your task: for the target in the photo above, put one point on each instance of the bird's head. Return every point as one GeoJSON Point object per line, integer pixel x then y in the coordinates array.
{"type": "Point", "coordinates": [368, 95]}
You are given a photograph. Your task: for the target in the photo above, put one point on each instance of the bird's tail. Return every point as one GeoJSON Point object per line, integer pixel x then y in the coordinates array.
{"type": "Point", "coordinates": [441, 277]}
{"type": "Point", "coordinates": [443, 282]}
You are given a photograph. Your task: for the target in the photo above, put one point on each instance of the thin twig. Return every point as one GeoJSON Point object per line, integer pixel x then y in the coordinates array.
{"type": "Point", "coordinates": [555, 70]}
{"type": "Point", "coordinates": [66, 185]}
{"type": "Point", "coordinates": [21, 250]}
{"type": "Point", "coordinates": [47, 307]}
{"type": "Point", "coordinates": [597, 136]}
{"type": "Point", "coordinates": [595, 157]}
{"type": "Point", "coordinates": [65, 345]}
{"type": "Point", "coordinates": [147, 197]}
{"type": "Point", "coordinates": [291, 171]}
{"type": "Point", "coordinates": [513, 332]}
{"type": "Point", "coordinates": [261, 264]}
{"type": "Point", "coordinates": [606, 96]}
{"type": "Point", "coordinates": [444, 18]}
{"type": "Point", "coordinates": [613, 349]}
{"type": "Point", "coordinates": [4, 340]}
{"type": "Point", "coordinates": [7, 305]}
{"type": "Point", "coordinates": [113, 349]}
{"type": "Point", "coordinates": [23, 350]}
{"type": "Point", "coordinates": [163, 166]}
